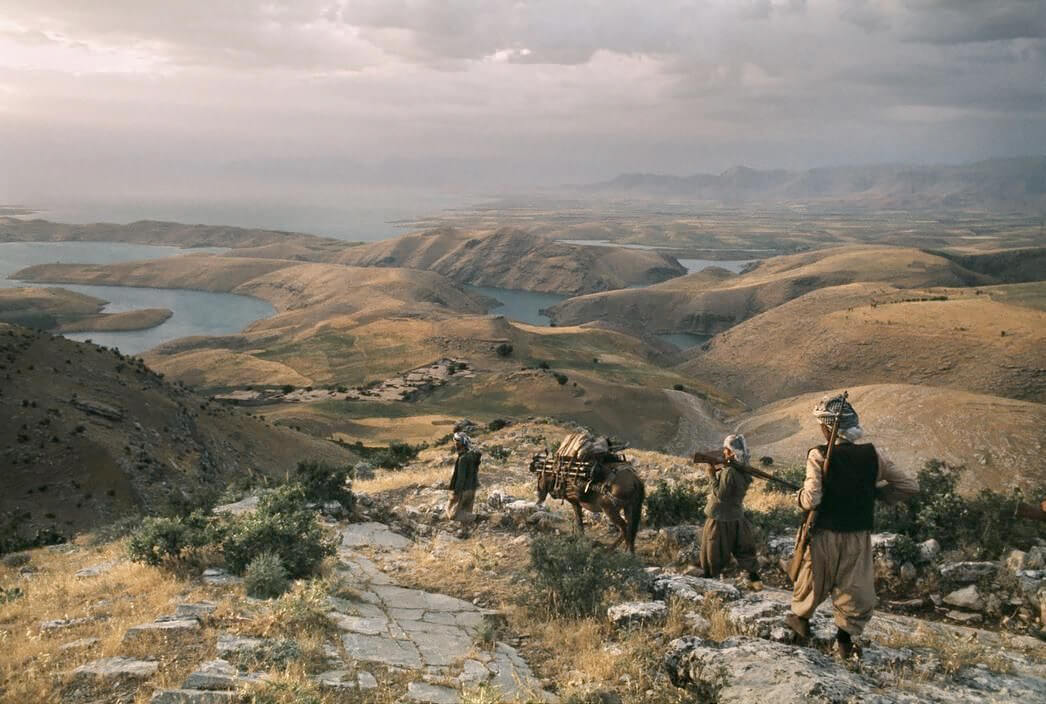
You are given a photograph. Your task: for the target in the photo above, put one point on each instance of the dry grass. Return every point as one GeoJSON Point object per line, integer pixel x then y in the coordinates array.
{"type": "Point", "coordinates": [954, 652]}
{"type": "Point", "coordinates": [395, 480]}
{"type": "Point", "coordinates": [126, 596]}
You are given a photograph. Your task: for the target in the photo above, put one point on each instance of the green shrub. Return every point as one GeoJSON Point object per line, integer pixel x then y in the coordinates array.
{"type": "Point", "coordinates": [265, 577]}
{"type": "Point", "coordinates": [504, 349]}
{"type": "Point", "coordinates": [282, 525]}
{"type": "Point", "coordinates": [560, 377]}
{"type": "Point", "coordinates": [572, 577]}
{"type": "Point", "coordinates": [397, 455]}
{"type": "Point", "coordinates": [164, 539]}
{"type": "Point", "coordinates": [323, 482]}
{"type": "Point", "coordinates": [672, 504]}
{"type": "Point", "coordinates": [795, 474]}
{"type": "Point", "coordinates": [499, 453]}
{"type": "Point", "coordinates": [780, 519]}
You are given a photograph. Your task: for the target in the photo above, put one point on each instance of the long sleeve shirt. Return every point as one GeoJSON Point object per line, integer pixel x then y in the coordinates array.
{"type": "Point", "coordinates": [727, 495]}
{"type": "Point", "coordinates": [891, 484]}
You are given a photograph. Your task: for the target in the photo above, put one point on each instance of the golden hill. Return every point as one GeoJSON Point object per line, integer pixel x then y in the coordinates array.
{"type": "Point", "coordinates": [869, 334]}
{"type": "Point", "coordinates": [999, 440]}
{"type": "Point", "coordinates": [516, 259]}
{"type": "Point", "coordinates": [67, 311]}
{"type": "Point", "coordinates": [90, 435]}
{"type": "Point", "coordinates": [709, 301]}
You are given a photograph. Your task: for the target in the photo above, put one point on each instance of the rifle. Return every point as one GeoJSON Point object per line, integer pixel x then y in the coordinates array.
{"type": "Point", "coordinates": [718, 460]}
{"type": "Point", "coordinates": [802, 537]}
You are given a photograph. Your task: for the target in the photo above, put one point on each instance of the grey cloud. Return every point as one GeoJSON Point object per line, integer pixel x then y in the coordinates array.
{"type": "Point", "coordinates": [971, 21]}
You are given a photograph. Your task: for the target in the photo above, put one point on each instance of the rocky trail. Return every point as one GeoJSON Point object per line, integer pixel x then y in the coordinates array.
{"type": "Point", "coordinates": [426, 639]}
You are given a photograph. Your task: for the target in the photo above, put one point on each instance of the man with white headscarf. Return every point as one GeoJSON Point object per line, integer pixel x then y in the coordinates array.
{"type": "Point", "coordinates": [727, 532]}
{"type": "Point", "coordinates": [838, 559]}
{"type": "Point", "coordinates": [465, 480]}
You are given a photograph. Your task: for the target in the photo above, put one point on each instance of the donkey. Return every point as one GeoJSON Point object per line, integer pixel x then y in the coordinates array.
{"type": "Point", "coordinates": [620, 497]}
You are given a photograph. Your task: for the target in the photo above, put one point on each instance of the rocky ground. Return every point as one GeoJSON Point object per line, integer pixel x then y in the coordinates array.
{"type": "Point", "coordinates": [415, 608]}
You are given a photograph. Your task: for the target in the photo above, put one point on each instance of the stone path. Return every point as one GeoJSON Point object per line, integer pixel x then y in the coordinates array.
{"type": "Point", "coordinates": [428, 634]}
{"type": "Point", "coordinates": [399, 627]}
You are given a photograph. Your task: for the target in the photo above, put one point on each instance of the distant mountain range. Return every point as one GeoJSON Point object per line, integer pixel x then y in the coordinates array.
{"type": "Point", "coordinates": [1018, 183]}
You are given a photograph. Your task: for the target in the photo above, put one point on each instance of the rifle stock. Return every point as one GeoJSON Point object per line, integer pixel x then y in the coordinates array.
{"type": "Point", "coordinates": [802, 537]}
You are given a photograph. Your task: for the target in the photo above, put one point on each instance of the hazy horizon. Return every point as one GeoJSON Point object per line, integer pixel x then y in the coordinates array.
{"type": "Point", "coordinates": [305, 103]}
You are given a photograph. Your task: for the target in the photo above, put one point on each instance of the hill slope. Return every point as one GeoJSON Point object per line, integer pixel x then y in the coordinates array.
{"type": "Point", "coordinates": [869, 333]}
{"type": "Point", "coordinates": [516, 259]}
{"type": "Point", "coordinates": [999, 440]}
{"type": "Point", "coordinates": [708, 302]}
{"type": "Point", "coordinates": [90, 435]}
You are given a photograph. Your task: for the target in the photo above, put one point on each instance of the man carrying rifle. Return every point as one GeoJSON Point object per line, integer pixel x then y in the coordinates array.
{"type": "Point", "coordinates": [840, 499]}
{"type": "Point", "coordinates": [727, 532]}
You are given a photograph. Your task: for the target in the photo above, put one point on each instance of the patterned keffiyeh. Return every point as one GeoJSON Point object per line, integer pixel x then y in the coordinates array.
{"type": "Point", "coordinates": [465, 440]}
{"type": "Point", "coordinates": [832, 406]}
{"type": "Point", "coordinates": [736, 444]}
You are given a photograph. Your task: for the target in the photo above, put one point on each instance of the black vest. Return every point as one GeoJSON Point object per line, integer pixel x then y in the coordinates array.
{"type": "Point", "coordinates": [848, 499]}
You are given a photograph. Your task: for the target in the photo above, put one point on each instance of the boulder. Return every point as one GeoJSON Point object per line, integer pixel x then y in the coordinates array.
{"type": "Point", "coordinates": [966, 598]}
{"type": "Point", "coordinates": [968, 572]}
{"type": "Point", "coordinates": [635, 613]}
{"type": "Point", "coordinates": [1015, 561]}
{"type": "Point", "coordinates": [693, 589]}
{"type": "Point", "coordinates": [1036, 559]}
{"type": "Point", "coordinates": [97, 570]}
{"type": "Point", "coordinates": [1030, 582]}
{"type": "Point", "coordinates": [366, 680]}
{"type": "Point", "coordinates": [220, 578]}
{"type": "Point", "coordinates": [908, 572]}
{"type": "Point", "coordinates": [192, 696]}
{"type": "Point", "coordinates": [431, 693]}
{"type": "Point", "coordinates": [16, 559]}
{"type": "Point", "coordinates": [112, 679]}
{"type": "Point", "coordinates": [178, 628]}
{"type": "Point", "coordinates": [929, 550]}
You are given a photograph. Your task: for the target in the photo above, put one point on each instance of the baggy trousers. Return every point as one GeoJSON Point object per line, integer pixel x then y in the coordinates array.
{"type": "Point", "coordinates": [722, 539]}
{"type": "Point", "coordinates": [837, 565]}
{"type": "Point", "coordinates": [460, 506]}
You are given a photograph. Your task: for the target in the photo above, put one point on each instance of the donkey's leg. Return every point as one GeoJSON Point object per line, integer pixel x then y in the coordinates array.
{"type": "Point", "coordinates": [578, 515]}
{"type": "Point", "coordinates": [614, 514]}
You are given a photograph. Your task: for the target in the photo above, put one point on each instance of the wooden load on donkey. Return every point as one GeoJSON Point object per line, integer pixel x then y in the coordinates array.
{"type": "Point", "coordinates": [590, 472]}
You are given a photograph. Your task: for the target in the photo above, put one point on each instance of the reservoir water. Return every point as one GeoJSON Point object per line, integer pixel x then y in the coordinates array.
{"type": "Point", "coordinates": [524, 306]}
{"type": "Point", "coordinates": [691, 265]}
{"type": "Point", "coordinates": [195, 312]}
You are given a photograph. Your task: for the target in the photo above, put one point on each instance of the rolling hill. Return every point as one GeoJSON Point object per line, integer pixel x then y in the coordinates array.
{"type": "Point", "coordinates": [516, 259]}
{"type": "Point", "coordinates": [90, 435]}
{"type": "Point", "coordinates": [711, 301]}
{"type": "Point", "coordinates": [1000, 441]}
{"type": "Point", "coordinates": [869, 334]}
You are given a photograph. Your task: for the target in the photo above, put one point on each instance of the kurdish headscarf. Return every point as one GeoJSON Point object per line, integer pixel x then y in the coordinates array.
{"type": "Point", "coordinates": [736, 443]}
{"type": "Point", "coordinates": [465, 440]}
{"type": "Point", "coordinates": [830, 407]}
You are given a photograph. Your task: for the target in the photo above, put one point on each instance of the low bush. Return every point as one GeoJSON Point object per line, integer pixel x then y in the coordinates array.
{"type": "Point", "coordinates": [795, 474]}
{"type": "Point", "coordinates": [672, 504]}
{"type": "Point", "coordinates": [779, 519]}
{"type": "Point", "coordinates": [323, 482]}
{"type": "Point", "coordinates": [396, 455]}
{"type": "Point", "coordinates": [282, 525]}
{"type": "Point", "coordinates": [572, 577]}
{"type": "Point", "coordinates": [561, 378]}
{"type": "Point", "coordinates": [162, 539]}
{"type": "Point", "coordinates": [265, 577]}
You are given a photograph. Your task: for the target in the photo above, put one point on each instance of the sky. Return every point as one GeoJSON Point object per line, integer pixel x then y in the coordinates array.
{"type": "Point", "coordinates": [315, 98]}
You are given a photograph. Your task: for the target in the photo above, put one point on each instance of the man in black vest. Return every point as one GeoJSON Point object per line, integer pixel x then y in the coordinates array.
{"type": "Point", "coordinates": [838, 561]}
{"type": "Point", "coordinates": [465, 480]}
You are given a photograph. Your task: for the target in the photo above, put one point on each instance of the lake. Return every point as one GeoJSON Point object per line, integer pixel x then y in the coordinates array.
{"type": "Point", "coordinates": [195, 312]}
{"type": "Point", "coordinates": [691, 265]}
{"type": "Point", "coordinates": [520, 305]}
{"type": "Point", "coordinates": [684, 340]}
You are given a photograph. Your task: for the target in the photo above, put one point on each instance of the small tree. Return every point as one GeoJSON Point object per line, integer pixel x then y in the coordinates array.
{"type": "Point", "coordinates": [266, 577]}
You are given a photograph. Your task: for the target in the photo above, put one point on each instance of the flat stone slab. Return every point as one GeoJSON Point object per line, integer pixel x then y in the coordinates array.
{"type": "Point", "coordinates": [194, 610]}
{"type": "Point", "coordinates": [239, 508]}
{"type": "Point", "coordinates": [220, 675]}
{"type": "Point", "coordinates": [336, 679]}
{"type": "Point", "coordinates": [80, 644]}
{"type": "Point", "coordinates": [366, 680]}
{"type": "Point", "coordinates": [403, 598]}
{"type": "Point", "coordinates": [117, 667]}
{"type": "Point", "coordinates": [166, 629]}
{"type": "Point", "coordinates": [375, 535]}
{"type": "Point", "coordinates": [432, 693]}
{"type": "Point", "coordinates": [514, 679]}
{"type": "Point", "coordinates": [438, 644]}
{"type": "Point", "coordinates": [375, 626]}
{"type": "Point", "coordinates": [229, 644]}
{"type": "Point", "coordinates": [220, 578]}
{"type": "Point", "coordinates": [192, 696]}
{"type": "Point", "coordinates": [694, 589]}
{"type": "Point", "coordinates": [61, 623]}
{"type": "Point", "coordinates": [381, 649]}
{"type": "Point", "coordinates": [97, 570]}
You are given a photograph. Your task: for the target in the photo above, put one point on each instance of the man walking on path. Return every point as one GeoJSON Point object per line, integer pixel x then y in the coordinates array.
{"type": "Point", "coordinates": [465, 480]}
{"type": "Point", "coordinates": [838, 559]}
{"type": "Point", "coordinates": [727, 532]}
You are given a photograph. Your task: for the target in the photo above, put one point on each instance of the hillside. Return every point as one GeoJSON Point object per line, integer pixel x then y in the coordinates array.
{"type": "Point", "coordinates": [516, 259]}
{"type": "Point", "coordinates": [1018, 183]}
{"type": "Point", "coordinates": [710, 301]}
{"type": "Point", "coordinates": [90, 435]}
{"type": "Point", "coordinates": [999, 440]}
{"type": "Point", "coordinates": [67, 311]}
{"type": "Point", "coordinates": [871, 334]}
